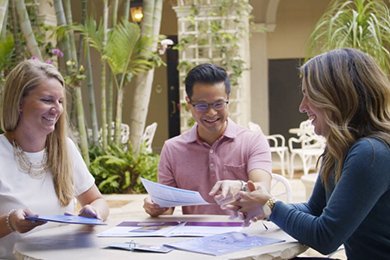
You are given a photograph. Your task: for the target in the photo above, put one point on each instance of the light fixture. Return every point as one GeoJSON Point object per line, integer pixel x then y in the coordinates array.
{"type": "Point", "coordinates": [136, 13]}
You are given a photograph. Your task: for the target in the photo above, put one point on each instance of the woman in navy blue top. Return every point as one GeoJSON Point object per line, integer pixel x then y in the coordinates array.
{"type": "Point", "coordinates": [347, 97]}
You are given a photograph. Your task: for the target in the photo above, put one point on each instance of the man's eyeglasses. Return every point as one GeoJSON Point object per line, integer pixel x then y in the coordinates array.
{"type": "Point", "coordinates": [203, 106]}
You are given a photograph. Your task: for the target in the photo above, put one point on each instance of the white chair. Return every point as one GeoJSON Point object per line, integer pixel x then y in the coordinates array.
{"type": "Point", "coordinates": [308, 146]}
{"type": "Point", "coordinates": [277, 144]}
{"type": "Point", "coordinates": [281, 188]}
{"type": "Point", "coordinates": [148, 135]}
{"type": "Point", "coordinates": [125, 132]}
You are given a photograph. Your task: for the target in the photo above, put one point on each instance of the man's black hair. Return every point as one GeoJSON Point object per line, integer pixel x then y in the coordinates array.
{"type": "Point", "coordinates": [206, 73]}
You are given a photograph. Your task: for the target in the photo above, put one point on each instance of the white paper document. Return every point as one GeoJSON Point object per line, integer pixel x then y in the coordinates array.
{"type": "Point", "coordinates": [223, 243]}
{"type": "Point", "coordinates": [167, 196]}
{"type": "Point", "coordinates": [171, 229]}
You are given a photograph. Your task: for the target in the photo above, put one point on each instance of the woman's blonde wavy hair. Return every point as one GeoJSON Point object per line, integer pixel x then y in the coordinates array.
{"type": "Point", "coordinates": [21, 80]}
{"type": "Point", "coordinates": [354, 94]}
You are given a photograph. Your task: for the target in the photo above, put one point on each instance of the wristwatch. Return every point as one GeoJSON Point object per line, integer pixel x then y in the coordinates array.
{"type": "Point", "coordinates": [268, 207]}
{"type": "Point", "coordinates": [244, 186]}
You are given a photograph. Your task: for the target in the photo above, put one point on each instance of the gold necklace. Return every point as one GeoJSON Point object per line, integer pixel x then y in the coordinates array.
{"type": "Point", "coordinates": [35, 170]}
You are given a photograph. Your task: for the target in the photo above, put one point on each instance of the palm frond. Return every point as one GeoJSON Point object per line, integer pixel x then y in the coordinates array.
{"type": "Point", "coordinates": [92, 33]}
{"type": "Point", "coordinates": [362, 24]}
{"type": "Point", "coordinates": [120, 46]}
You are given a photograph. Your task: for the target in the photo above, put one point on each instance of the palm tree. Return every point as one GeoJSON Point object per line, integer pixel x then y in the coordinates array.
{"type": "Point", "coordinates": [26, 29]}
{"type": "Point", "coordinates": [151, 28]}
{"type": "Point", "coordinates": [90, 85]}
{"type": "Point", "coordinates": [361, 24]}
{"type": "Point", "coordinates": [18, 52]}
{"type": "Point", "coordinates": [3, 12]}
{"type": "Point", "coordinates": [124, 53]}
{"type": "Point", "coordinates": [110, 88]}
{"type": "Point", "coordinates": [70, 55]}
{"type": "Point", "coordinates": [126, 62]}
{"type": "Point", "coordinates": [105, 125]}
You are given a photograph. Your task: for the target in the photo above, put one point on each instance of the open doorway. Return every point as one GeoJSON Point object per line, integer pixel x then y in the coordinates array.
{"type": "Point", "coordinates": [284, 95]}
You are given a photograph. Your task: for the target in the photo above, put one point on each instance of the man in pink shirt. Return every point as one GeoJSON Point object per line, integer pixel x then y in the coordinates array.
{"type": "Point", "coordinates": [216, 156]}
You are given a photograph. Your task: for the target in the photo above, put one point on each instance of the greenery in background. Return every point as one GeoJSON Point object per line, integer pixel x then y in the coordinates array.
{"type": "Point", "coordinates": [118, 170]}
{"type": "Point", "coordinates": [125, 51]}
{"type": "Point", "coordinates": [11, 51]}
{"type": "Point", "coordinates": [226, 35]}
{"type": "Point", "coordinates": [212, 33]}
{"type": "Point", "coordinates": [360, 24]}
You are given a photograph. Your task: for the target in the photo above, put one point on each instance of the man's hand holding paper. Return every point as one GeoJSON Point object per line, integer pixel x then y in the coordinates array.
{"type": "Point", "coordinates": [167, 196]}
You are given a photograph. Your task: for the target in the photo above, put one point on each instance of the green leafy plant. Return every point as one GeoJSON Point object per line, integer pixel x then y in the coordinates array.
{"type": "Point", "coordinates": [213, 32]}
{"type": "Point", "coordinates": [361, 24]}
{"type": "Point", "coordinates": [225, 35]}
{"type": "Point", "coordinates": [6, 51]}
{"type": "Point", "coordinates": [75, 74]}
{"type": "Point", "coordinates": [118, 170]}
{"type": "Point", "coordinates": [126, 52]}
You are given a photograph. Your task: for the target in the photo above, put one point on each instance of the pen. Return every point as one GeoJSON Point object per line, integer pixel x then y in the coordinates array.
{"type": "Point", "coordinates": [266, 228]}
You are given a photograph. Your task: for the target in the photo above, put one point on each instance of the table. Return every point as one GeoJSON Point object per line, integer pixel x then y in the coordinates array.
{"type": "Point", "coordinates": [81, 242]}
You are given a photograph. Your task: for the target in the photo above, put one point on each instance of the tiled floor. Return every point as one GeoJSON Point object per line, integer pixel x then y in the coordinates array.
{"type": "Point", "coordinates": [127, 206]}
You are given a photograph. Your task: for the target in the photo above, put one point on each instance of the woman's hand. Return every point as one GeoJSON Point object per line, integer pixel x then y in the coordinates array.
{"type": "Point", "coordinates": [17, 221]}
{"type": "Point", "coordinates": [89, 212]}
{"type": "Point", "coordinates": [93, 204]}
{"type": "Point", "coordinates": [249, 205]}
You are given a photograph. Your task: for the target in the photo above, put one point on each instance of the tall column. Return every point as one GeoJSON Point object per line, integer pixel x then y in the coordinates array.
{"type": "Point", "coordinates": [259, 77]}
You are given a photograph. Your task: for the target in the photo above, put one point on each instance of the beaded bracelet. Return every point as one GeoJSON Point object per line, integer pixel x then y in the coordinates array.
{"type": "Point", "coordinates": [7, 220]}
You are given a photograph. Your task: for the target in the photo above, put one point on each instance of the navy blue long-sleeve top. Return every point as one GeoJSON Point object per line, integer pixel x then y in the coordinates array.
{"type": "Point", "coordinates": [354, 212]}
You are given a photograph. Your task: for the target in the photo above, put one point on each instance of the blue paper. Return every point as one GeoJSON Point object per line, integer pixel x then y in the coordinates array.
{"type": "Point", "coordinates": [223, 243]}
{"type": "Point", "coordinates": [69, 219]}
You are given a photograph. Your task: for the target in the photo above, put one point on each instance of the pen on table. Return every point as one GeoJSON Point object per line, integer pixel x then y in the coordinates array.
{"type": "Point", "coordinates": [266, 228]}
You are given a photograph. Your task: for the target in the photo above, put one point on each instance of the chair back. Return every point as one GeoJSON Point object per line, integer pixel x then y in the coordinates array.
{"type": "Point", "coordinates": [281, 188]}
{"type": "Point", "coordinates": [307, 138]}
{"type": "Point", "coordinates": [148, 135]}
{"type": "Point", "coordinates": [125, 133]}
{"type": "Point", "coordinates": [277, 144]}
{"type": "Point", "coordinates": [308, 146]}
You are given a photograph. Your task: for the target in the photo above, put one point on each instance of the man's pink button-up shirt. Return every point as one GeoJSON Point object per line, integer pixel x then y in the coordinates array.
{"type": "Point", "coordinates": [188, 163]}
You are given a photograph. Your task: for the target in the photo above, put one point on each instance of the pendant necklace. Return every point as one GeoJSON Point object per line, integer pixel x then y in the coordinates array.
{"type": "Point", "coordinates": [35, 169]}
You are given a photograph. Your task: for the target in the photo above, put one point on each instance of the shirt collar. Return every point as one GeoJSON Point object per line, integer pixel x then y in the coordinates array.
{"type": "Point", "coordinates": [230, 131]}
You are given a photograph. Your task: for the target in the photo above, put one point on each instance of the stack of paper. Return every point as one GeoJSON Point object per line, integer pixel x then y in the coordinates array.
{"type": "Point", "coordinates": [223, 243]}
{"type": "Point", "coordinates": [170, 229]}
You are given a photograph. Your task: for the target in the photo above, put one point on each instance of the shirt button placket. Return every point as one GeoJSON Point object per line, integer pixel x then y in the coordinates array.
{"type": "Point", "coordinates": [211, 160]}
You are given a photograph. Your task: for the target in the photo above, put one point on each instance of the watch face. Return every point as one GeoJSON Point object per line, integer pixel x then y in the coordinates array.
{"type": "Point", "coordinates": [267, 211]}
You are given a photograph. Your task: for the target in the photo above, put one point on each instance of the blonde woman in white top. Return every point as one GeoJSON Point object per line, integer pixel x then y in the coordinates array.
{"type": "Point", "coordinates": [41, 169]}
